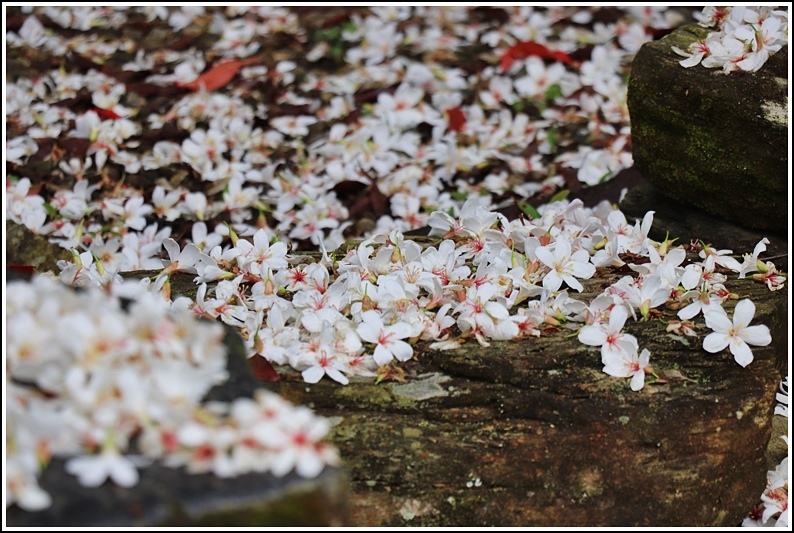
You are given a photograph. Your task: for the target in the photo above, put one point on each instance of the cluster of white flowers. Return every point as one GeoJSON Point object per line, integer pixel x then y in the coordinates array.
{"type": "Point", "coordinates": [744, 40]}
{"type": "Point", "coordinates": [523, 129]}
{"type": "Point", "coordinates": [480, 277]}
{"type": "Point", "coordinates": [419, 129]}
{"type": "Point", "coordinates": [773, 508]}
{"type": "Point", "coordinates": [112, 391]}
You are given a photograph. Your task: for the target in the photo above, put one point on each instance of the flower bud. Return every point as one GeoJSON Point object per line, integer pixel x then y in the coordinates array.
{"type": "Point", "coordinates": [645, 309]}
{"type": "Point", "coordinates": [232, 235]}
{"type": "Point", "coordinates": [600, 244]}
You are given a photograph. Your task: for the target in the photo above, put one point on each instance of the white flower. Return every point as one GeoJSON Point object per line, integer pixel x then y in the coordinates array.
{"type": "Point", "coordinates": [295, 126]}
{"type": "Point", "coordinates": [750, 263]}
{"type": "Point", "coordinates": [738, 334]}
{"type": "Point", "coordinates": [295, 441]}
{"type": "Point", "coordinates": [611, 340]}
{"type": "Point", "coordinates": [93, 470]}
{"type": "Point", "coordinates": [386, 338]}
{"type": "Point", "coordinates": [624, 364]}
{"type": "Point", "coordinates": [564, 265]}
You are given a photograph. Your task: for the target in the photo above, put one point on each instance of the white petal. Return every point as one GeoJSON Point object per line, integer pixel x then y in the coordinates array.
{"type": "Point", "coordinates": [400, 330]}
{"type": "Point", "coordinates": [583, 270]}
{"type": "Point", "coordinates": [552, 281]}
{"type": "Point", "coordinates": [545, 256]}
{"type": "Point", "coordinates": [743, 314]}
{"type": "Point", "coordinates": [309, 464]}
{"type": "Point", "coordinates": [313, 374]}
{"type": "Point", "coordinates": [90, 470]}
{"type": "Point", "coordinates": [402, 350]}
{"type": "Point", "coordinates": [742, 353]}
{"type": "Point", "coordinates": [313, 323]}
{"type": "Point", "coordinates": [617, 318]}
{"type": "Point", "coordinates": [368, 332]}
{"type": "Point", "coordinates": [715, 342]}
{"type": "Point", "coordinates": [638, 381]}
{"type": "Point", "coordinates": [283, 462]}
{"type": "Point", "coordinates": [382, 356]}
{"type": "Point", "coordinates": [123, 472]}
{"type": "Point", "coordinates": [592, 336]}
{"type": "Point", "coordinates": [691, 61]}
{"type": "Point", "coordinates": [573, 283]}
{"type": "Point", "coordinates": [718, 320]}
{"type": "Point", "coordinates": [260, 239]}
{"type": "Point", "coordinates": [675, 256]}
{"type": "Point", "coordinates": [172, 248]}
{"type": "Point", "coordinates": [373, 319]}
{"type": "Point", "coordinates": [756, 335]}
{"type": "Point", "coordinates": [337, 376]}
{"type": "Point", "coordinates": [497, 311]}
{"type": "Point", "coordinates": [691, 310]}
{"type": "Point", "coordinates": [615, 366]}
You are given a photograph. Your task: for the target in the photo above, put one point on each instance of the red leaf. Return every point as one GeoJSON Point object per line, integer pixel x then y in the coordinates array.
{"type": "Point", "coordinates": [219, 75]}
{"type": "Point", "coordinates": [22, 269]}
{"type": "Point", "coordinates": [105, 114]}
{"type": "Point", "coordinates": [263, 370]}
{"type": "Point", "coordinates": [455, 119]}
{"type": "Point", "coordinates": [526, 49]}
{"type": "Point", "coordinates": [216, 77]}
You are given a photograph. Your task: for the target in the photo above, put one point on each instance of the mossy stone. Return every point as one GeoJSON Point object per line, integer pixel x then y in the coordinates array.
{"type": "Point", "coordinates": [712, 140]}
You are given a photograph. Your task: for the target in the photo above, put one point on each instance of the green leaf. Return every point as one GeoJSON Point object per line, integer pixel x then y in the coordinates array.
{"type": "Point", "coordinates": [560, 195]}
{"type": "Point", "coordinates": [553, 92]}
{"type": "Point", "coordinates": [459, 195]}
{"type": "Point", "coordinates": [605, 177]}
{"type": "Point", "coordinates": [529, 210]}
{"type": "Point", "coordinates": [551, 138]}
{"type": "Point", "coordinates": [51, 210]}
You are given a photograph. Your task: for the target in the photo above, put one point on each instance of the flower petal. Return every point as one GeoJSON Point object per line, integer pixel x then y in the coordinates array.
{"type": "Point", "coordinates": [313, 374]}
{"type": "Point", "coordinates": [715, 342]}
{"type": "Point", "coordinates": [573, 282]}
{"type": "Point", "coordinates": [172, 248]}
{"type": "Point", "coordinates": [402, 350]}
{"type": "Point", "coordinates": [382, 355]}
{"type": "Point", "coordinates": [718, 320]}
{"type": "Point", "coordinates": [638, 381]}
{"type": "Point", "coordinates": [742, 353]}
{"type": "Point", "coordinates": [336, 375]}
{"type": "Point", "coordinates": [617, 318]}
{"type": "Point", "coordinates": [691, 310]}
{"type": "Point", "coordinates": [756, 335]}
{"type": "Point", "coordinates": [592, 336]}
{"type": "Point", "coordinates": [123, 472]}
{"type": "Point", "coordinates": [743, 314]}
{"type": "Point", "coordinates": [545, 256]}
{"type": "Point", "coordinates": [582, 270]}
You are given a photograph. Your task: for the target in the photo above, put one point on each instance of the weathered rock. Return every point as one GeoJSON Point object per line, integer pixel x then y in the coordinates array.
{"type": "Point", "coordinates": [171, 497]}
{"type": "Point", "coordinates": [528, 433]}
{"type": "Point", "coordinates": [687, 223]}
{"type": "Point", "coordinates": [715, 141]}
{"type": "Point", "coordinates": [533, 433]}
{"type": "Point", "coordinates": [23, 247]}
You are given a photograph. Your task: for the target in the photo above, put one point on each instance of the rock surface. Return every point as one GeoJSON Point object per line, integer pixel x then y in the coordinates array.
{"type": "Point", "coordinates": [25, 248]}
{"type": "Point", "coordinates": [528, 433]}
{"type": "Point", "coordinates": [689, 223]}
{"type": "Point", "coordinates": [533, 433]}
{"type": "Point", "coordinates": [715, 141]}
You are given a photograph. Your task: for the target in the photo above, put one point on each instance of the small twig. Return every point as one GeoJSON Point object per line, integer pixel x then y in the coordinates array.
{"type": "Point", "coordinates": [773, 257]}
